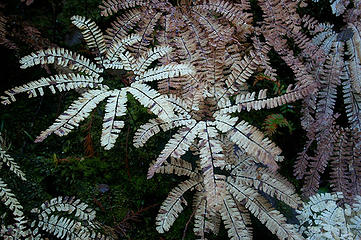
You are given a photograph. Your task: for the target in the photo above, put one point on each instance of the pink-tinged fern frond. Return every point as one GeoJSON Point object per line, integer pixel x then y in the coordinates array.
{"type": "Point", "coordinates": [109, 7]}
{"type": "Point", "coordinates": [261, 209]}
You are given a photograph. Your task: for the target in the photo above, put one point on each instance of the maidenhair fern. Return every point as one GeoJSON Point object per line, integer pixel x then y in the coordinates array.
{"type": "Point", "coordinates": [89, 77]}
{"type": "Point", "coordinates": [63, 217]}
{"type": "Point", "coordinates": [323, 218]}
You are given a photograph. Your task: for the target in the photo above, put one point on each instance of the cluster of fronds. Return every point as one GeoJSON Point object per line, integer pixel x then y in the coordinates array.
{"type": "Point", "coordinates": [210, 51]}
{"type": "Point", "coordinates": [323, 218]}
{"type": "Point", "coordinates": [63, 217]}
{"type": "Point", "coordinates": [337, 146]}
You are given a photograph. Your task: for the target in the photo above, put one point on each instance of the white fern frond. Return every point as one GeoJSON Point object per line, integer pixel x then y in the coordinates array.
{"type": "Point", "coordinates": [150, 56]}
{"type": "Point", "coordinates": [178, 167]}
{"type": "Point", "coordinates": [77, 112]}
{"type": "Point", "coordinates": [126, 61]}
{"type": "Point", "coordinates": [323, 218]}
{"type": "Point", "coordinates": [165, 71]}
{"type": "Point", "coordinates": [10, 200]}
{"type": "Point", "coordinates": [60, 82]}
{"type": "Point", "coordinates": [268, 182]}
{"type": "Point", "coordinates": [114, 108]}
{"type": "Point", "coordinates": [172, 206]}
{"type": "Point", "coordinates": [152, 100]}
{"type": "Point", "coordinates": [254, 143]}
{"type": "Point", "coordinates": [119, 47]}
{"type": "Point", "coordinates": [261, 209]}
{"type": "Point", "coordinates": [61, 57]}
{"type": "Point", "coordinates": [10, 162]}
{"type": "Point", "coordinates": [176, 146]}
{"type": "Point", "coordinates": [91, 34]}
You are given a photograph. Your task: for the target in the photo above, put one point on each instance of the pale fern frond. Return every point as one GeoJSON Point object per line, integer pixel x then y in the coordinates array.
{"type": "Point", "coordinates": [114, 108]}
{"type": "Point", "coordinates": [172, 206]}
{"type": "Point", "coordinates": [79, 224]}
{"type": "Point", "coordinates": [10, 162]}
{"type": "Point", "coordinates": [61, 57]}
{"type": "Point", "coordinates": [117, 49]}
{"type": "Point", "coordinates": [60, 82]}
{"type": "Point", "coordinates": [268, 182]}
{"type": "Point", "coordinates": [150, 56]}
{"type": "Point", "coordinates": [261, 209]}
{"type": "Point", "coordinates": [92, 35]}
{"type": "Point", "coordinates": [176, 146]}
{"type": "Point", "coordinates": [233, 221]}
{"type": "Point", "coordinates": [10, 200]}
{"type": "Point", "coordinates": [178, 167]}
{"type": "Point", "coordinates": [253, 142]}
{"type": "Point", "coordinates": [165, 71]}
{"type": "Point", "coordinates": [323, 218]}
{"type": "Point", "coordinates": [152, 100]}
{"type": "Point", "coordinates": [77, 112]}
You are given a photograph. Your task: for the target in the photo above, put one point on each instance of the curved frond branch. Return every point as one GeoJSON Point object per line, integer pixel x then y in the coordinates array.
{"type": "Point", "coordinates": [109, 7]}
{"type": "Point", "coordinates": [172, 205]}
{"type": "Point", "coordinates": [269, 182]}
{"type": "Point", "coordinates": [114, 108]}
{"type": "Point", "coordinates": [152, 100]}
{"type": "Point", "coordinates": [178, 167]}
{"type": "Point", "coordinates": [254, 143]}
{"type": "Point", "coordinates": [10, 200]}
{"type": "Point", "coordinates": [233, 221]}
{"type": "Point", "coordinates": [61, 57]}
{"type": "Point", "coordinates": [122, 25]}
{"type": "Point", "coordinates": [176, 146]}
{"type": "Point", "coordinates": [261, 209]}
{"type": "Point", "coordinates": [10, 162]}
{"type": "Point", "coordinates": [149, 57]}
{"type": "Point", "coordinates": [92, 35]}
{"type": "Point", "coordinates": [77, 112]}
{"type": "Point", "coordinates": [164, 72]}
{"type": "Point", "coordinates": [116, 50]}
{"type": "Point", "coordinates": [60, 82]}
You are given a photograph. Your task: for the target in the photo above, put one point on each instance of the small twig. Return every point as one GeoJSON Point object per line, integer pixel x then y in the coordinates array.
{"type": "Point", "coordinates": [189, 220]}
{"type": "Point", "coordinates": [126, 154]}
